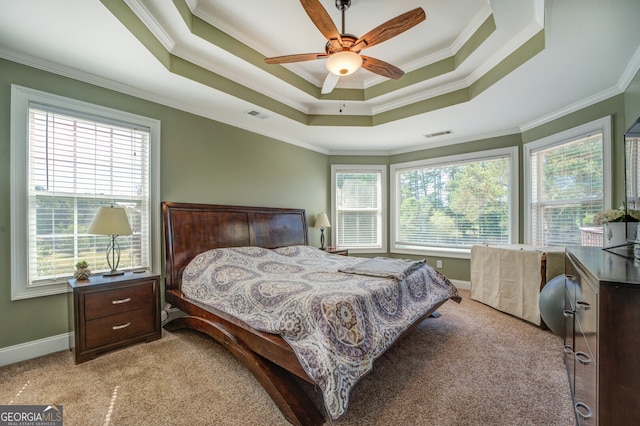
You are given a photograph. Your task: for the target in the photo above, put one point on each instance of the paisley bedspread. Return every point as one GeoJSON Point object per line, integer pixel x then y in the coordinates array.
{"type": "Point", "coordinates": [336, 323]}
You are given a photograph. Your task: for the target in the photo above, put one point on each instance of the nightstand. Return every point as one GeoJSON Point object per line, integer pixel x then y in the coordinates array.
{"type": "Point", "coordinates": [110, 312]}
{"type": "Point", "coordinates": [333, 250]}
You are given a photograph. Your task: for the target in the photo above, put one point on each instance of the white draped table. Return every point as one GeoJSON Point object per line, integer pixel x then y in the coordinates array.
{"type": "Point", "coordinates": [509, 277]}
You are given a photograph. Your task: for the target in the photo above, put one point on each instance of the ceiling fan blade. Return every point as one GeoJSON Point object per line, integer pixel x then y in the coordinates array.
{"type": "Point", "coordinates": [381, 67]}
{"type": "Point", "coordinates": [295, 58]}
{"type": "Point", "coordinates": [389, 29]}
{"type": "Point", "coordinates": [321, 19]}
{"type": "Point", "coordinates": [330, 83]}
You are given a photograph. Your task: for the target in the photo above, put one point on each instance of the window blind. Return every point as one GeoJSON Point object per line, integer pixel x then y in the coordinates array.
{"type": "Point", "coordinates": [358, 209]}
{"type": "Point", "coordinates": [78, 163]}
{"type": "Point", "coordinates": [454, 205]}
{"type": "Point", "coordinates": [567, 189]}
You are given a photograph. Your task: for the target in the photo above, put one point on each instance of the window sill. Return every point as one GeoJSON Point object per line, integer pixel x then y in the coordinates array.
{"type": "Point", "coordinates": [376, 251]}
{"type": "Point", "coordinates": [21, 290]}
{"type": "Point", "coordinates": [457, 253]}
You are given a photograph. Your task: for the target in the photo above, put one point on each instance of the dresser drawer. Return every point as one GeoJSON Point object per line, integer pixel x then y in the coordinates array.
{"type": "Point", "coordinates": [585, 376]}
{"type": "Point", "coordinates": [113, 328]}
{"type": "Point", "coordinates": [569, 333]}
{"type": "Point", "coordinates": [586, 315]}
{"type": "Point", "coordinates": [102, 303]}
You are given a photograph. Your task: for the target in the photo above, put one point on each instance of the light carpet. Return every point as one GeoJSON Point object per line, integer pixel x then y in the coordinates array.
{"type": "Point", "coordinates": [472, 366]}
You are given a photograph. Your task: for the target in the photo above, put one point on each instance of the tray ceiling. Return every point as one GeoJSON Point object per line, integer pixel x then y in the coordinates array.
{"type": "Point", "coordinates": [473, 68]}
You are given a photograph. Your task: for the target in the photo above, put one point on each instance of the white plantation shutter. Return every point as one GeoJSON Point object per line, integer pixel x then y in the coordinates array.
{"type": "Point", "coordinates": [567, 190]}
{"type": "Point", "coordinates": [358, 207]}
{"type": "Point", "coordinates": [77, 164]}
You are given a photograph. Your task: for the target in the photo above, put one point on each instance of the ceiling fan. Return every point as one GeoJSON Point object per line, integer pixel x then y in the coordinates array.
{"type": "Point", "coordinates": [342, 50]}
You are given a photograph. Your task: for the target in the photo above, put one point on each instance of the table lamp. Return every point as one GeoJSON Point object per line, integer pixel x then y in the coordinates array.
{"type": "Point", "coordinates": [322, 221]}
{"type": "Point", "coordinates": [111, 221]}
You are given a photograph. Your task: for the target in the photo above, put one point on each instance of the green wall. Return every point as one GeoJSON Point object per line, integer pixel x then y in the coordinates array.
{"type": "Point", "coordinates": [206, 161]}
{"type": "Point", "coordinates": [201, 161]}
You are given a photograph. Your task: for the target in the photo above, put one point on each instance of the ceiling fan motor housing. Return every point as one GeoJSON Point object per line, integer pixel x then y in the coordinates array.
{"type": "Point", "coordinates": [348, 40]}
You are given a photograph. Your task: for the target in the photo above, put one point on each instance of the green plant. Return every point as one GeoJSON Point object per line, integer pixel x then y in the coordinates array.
{"type": "Point", "coordinates": [82, 264]}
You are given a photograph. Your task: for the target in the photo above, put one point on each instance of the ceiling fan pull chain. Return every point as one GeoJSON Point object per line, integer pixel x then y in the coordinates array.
{"type": "Point", "coordinates": [343, 104]}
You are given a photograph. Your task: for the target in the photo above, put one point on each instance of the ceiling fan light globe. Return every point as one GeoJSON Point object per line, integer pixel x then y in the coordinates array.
{"type": "Point", "coordinates": [343, 63]}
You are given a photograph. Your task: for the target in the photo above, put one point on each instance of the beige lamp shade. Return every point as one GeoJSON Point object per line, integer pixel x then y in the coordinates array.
{"type": "Point", "coordinates": [322, 221]}
{"type": "Point", "coordinates": [110, 221]}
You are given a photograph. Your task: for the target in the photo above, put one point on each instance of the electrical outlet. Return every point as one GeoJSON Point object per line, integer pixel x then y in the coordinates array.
{"type": "Point", "coordinates": [439, 263]}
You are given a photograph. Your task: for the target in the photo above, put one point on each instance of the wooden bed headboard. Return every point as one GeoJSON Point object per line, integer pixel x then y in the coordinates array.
{"type": "Point", "coordinates": [190, 229]}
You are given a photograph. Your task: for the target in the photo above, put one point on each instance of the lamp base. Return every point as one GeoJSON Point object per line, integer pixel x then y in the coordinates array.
{"type": "Point", "coordinates": [113, 258]}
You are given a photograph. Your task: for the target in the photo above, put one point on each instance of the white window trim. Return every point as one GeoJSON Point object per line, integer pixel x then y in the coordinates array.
{"type": "Point", "coordinates": [602, 124]}
{"type": "Point", "coordinates": [21, 97]}
{"type": "Point", "coordinates": [382, 169]}
{"type": "Point", "coordinates": [460, 253]}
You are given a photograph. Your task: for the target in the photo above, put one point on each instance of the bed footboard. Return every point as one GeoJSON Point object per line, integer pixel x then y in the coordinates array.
{"type": "Point", "coordinates": [281, 386]}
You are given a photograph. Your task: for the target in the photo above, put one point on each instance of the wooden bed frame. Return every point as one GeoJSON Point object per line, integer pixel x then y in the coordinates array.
{"type": "Point", "coordinates": [190, 229]}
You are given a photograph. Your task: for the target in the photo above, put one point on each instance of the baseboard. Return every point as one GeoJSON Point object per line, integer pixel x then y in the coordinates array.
{"type": "Point", "coordinates": [462, 285]}
{"type": "Point", "coordinates": [34, 349]}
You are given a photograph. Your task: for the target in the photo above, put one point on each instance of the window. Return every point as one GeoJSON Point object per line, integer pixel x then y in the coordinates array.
{"type": "Point", "coordinates": [446, 205]}
{"type": "Point", "coordinates": [68, 159]}
{"type": "Point", "coordinates": [358, 208]}
{"type": "Point", "coordinates": [567, 181]}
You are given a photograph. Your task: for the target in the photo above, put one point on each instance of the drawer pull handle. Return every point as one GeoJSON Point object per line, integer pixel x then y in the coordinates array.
{"type": "Point", "coordinates": [581, 304]}
{"type": "Point", "coordinates": [117, 302]}
{"type": "Point", "coordinates": [567, 313]}
{"type": "Point", "coordinates": [583, 410]}
{"type": "Point", "coordinates": [582, 358]}
{"type": "Point", "coordinates": [121, 326]}
{"type": "Point", "coordinates": [567, 349]}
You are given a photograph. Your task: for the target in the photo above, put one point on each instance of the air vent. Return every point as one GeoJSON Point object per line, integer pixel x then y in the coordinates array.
{"type": "Point", "coordinates": [258, 114]}
{"type": "Point", "coordinates": [436, 134]}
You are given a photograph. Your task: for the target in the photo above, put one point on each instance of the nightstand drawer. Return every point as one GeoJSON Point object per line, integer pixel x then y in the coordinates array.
{"type": "Point", "coordinates": [110, 302]}
{"type": "Point", "coordinates": [113, 311]}
{"type": "Point", "coordinates": [117, 327]}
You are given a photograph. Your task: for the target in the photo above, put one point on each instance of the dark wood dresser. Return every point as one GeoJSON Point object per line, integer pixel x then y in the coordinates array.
{"type": "Point", "coordinates": [110, 312]}
{"type": "Point", "coordinates": [602, 339]}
